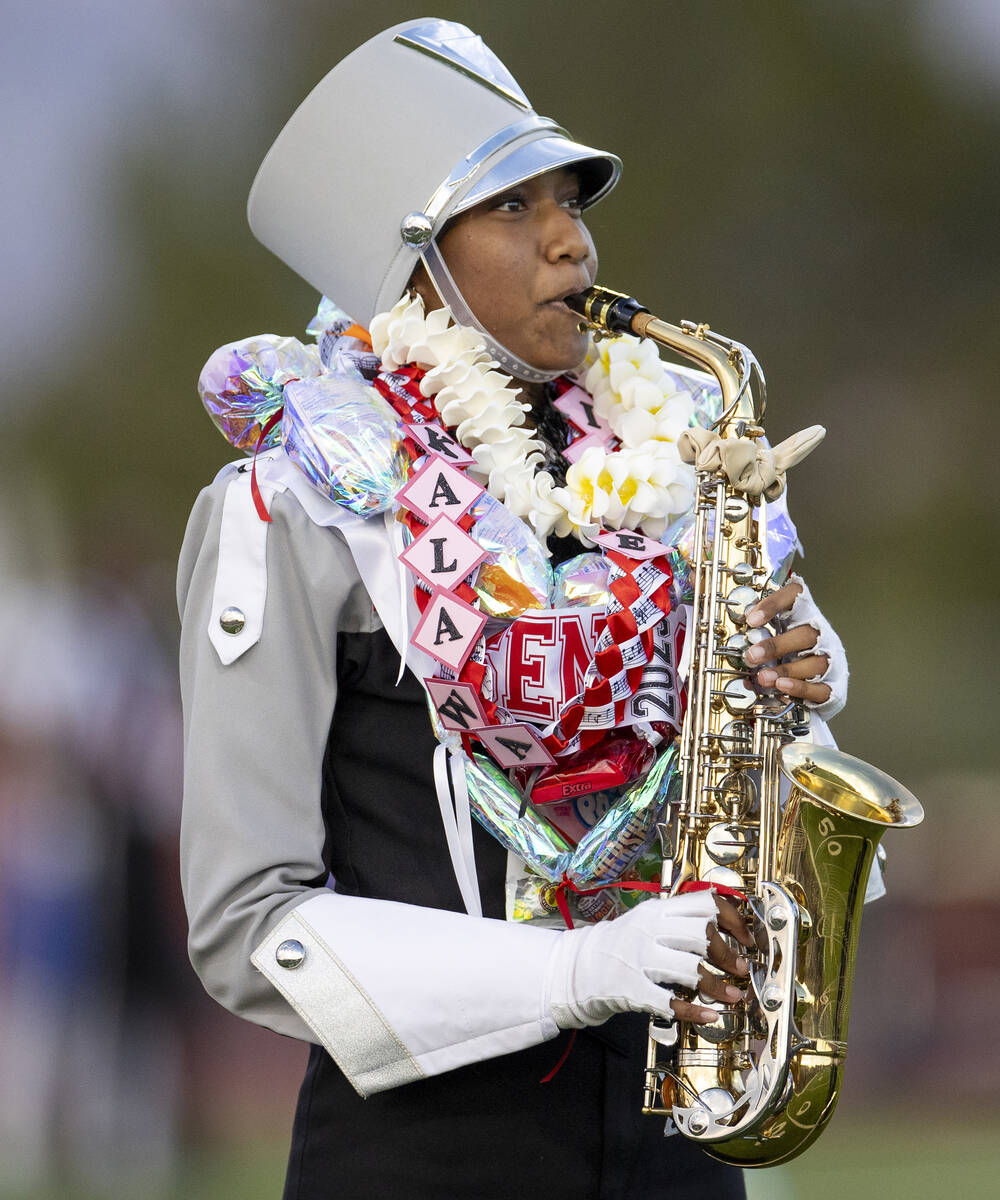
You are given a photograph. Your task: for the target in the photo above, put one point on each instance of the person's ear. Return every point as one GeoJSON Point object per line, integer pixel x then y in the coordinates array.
{"type": "Point", "coordinates": [420, 282]}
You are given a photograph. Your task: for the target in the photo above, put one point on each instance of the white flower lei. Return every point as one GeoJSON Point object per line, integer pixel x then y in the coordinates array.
{"type": "Point", "coordinates": [642, 485]}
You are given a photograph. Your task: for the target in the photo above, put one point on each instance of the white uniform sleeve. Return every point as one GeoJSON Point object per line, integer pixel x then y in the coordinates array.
{"type": "Point", "coordinates": [393, 991]}
{"type": "Point", "coordinates": [805, 612]}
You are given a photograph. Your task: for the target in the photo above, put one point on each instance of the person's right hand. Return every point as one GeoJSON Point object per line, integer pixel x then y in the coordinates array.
{"type": "Point", "coordinates": [622, 965]}
{"type": "Point", "coordinates": [720, 954]}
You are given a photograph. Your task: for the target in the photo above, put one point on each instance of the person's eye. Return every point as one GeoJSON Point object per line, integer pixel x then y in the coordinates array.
{"type": "Point", "coordinates": [573, 203]}
{"type": "Point", "coordinates": [512, 202]}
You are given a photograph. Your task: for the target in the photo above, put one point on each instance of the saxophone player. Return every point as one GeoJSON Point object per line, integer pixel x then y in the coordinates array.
{"type": "Point", "coordinates": [416, 183]}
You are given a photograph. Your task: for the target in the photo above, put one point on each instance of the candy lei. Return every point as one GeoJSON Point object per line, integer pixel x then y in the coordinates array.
{"type": "Point", "coordinates": [439, 379]}
{"type": "Point", "coordinates": [437, 374]}
{"type": "Point", "coordinates": [384, 461]}
{"type": "Point", "coordinates": [627, 472]}
{"type": "Point", "coordinates": [361, 454]}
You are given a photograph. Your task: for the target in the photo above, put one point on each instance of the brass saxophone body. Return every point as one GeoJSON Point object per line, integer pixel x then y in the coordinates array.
{"type": "Point", "coordinates": [757, 1086]}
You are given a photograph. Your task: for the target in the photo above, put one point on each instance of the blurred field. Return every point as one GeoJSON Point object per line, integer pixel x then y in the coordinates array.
{"type": "Point", "coordinates": [892, 1155]}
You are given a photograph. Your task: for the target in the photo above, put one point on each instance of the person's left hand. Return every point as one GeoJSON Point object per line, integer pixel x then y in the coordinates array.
{"type": "Point", "coordinates": [795, 677]}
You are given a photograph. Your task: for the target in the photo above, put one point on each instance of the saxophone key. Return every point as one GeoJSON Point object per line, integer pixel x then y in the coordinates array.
{"type": "Point", "coordinates": [739, 601]}
{"type": "Point", "coordinates": [726, 843]}
{"type": "Point", "coordinates": [738, 697]}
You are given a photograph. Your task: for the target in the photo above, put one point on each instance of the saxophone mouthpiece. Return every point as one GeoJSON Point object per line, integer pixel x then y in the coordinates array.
{"type": "Point", "coordinates": [608, 310]}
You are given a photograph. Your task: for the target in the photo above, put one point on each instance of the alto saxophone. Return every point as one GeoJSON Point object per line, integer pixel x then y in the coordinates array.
{"type": "Point", "coordinates": [758, 1085]}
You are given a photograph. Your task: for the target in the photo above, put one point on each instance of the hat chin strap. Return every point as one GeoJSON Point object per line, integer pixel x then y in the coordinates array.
{"type": "Point", "coordinates": [447, 289]}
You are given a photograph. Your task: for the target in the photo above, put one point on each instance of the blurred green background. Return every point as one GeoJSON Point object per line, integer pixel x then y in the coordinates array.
{"type": "Point", "coordinates": [817, 179]}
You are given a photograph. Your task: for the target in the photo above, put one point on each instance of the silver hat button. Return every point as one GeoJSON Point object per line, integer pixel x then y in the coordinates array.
{"type": "Point", "coordinates": [232, 620]}
{"type": "Point", "coordinates": [416, 230]}
{"type": "Point", "coordinates": [290, 954]}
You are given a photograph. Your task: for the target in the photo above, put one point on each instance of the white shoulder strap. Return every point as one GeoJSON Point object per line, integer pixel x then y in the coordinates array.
{"type": "Point", "coordinates": [237, 615]}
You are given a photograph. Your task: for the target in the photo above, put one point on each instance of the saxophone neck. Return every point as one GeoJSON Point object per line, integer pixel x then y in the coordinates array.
{"type": "Point", "coordinates": [732, 364]}
{"type": "Point", "coordinates": [735, 368]}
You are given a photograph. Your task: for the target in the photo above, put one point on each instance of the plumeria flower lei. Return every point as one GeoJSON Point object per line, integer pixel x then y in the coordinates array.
{"type": "Point", "coordinates": [641, 484]}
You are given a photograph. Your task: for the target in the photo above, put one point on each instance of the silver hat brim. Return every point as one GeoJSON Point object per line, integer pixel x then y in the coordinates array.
{"type": "Point", "coordinates": [599, 170]}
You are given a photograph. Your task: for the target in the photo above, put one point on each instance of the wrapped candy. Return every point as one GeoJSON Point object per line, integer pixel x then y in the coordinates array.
{"type": "Point", "coordinates": [531, 897]}
{"type": "Point", "coordinates": [604, 853]}
{"type": "Point", "coordinates": [581, 582]}
{"type": "Point", "coordinates": [613, 845]}
{"type": "Point", "coordinates": [347, 440]}
{"type": "Point", "coordinates": [516, 576]}
{"type": "Point", "coordinates": [647, 868]}
{"type": "Point", "coordinates": [328, 326]}
{"type": "Point", "coordinates": [338, 342]}
{"type": "Point", "coordinates": [576, 792]}
{"type": "Point", "coordinates": [241, 385]}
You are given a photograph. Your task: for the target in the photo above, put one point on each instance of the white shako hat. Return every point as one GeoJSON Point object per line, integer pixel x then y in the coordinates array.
{"type": "Point", "coordinates": [419, 123]}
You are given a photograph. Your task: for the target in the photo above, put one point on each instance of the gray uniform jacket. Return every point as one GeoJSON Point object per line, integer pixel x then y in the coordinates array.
{"type": "Point", "coordinates": [393, 991]}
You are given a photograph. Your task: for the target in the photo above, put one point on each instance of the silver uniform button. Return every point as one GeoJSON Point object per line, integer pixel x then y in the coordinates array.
{"type": "Point", "coordinates": [232, 620]}
{"type": "Point", "coordinates": [416, 230]}
{"type": "Point", "coordinates": [290, 954]}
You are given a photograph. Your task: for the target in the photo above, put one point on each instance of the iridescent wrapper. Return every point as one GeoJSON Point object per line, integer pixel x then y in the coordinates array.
{"type": "Point", "coordinates": [330, 318]}
{"type": "Point", "coordinates": [605, 853]}
{"type": "Point", "coordinates": [334, 332]}
{"type": "Point", "coordinates": [581, 582]}
{"type": "Point", "coordinates": [782, 543]}
{"type": "Point", "coordinates": [516, 576]}
{"type": "Point", "coordinates": [704, 390]}
{"type": "Point", "coordinates": [496, 802]}
{"type": "Point", "coordinates": [679, 540]}
{"type": "Point", "coordinates": [347, 440]}
{"type": "Point", "coordinates": [241, 385]}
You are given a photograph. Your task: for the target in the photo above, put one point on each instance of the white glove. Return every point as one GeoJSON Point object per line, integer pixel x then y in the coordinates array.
{"type": "Point", "coordinates": [618, 966]}
{"type": "Point", "coordinates": [805, 612]}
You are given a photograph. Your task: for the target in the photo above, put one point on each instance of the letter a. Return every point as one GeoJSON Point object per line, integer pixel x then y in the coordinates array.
{"type": "Point", "coordinates": [446, 626]}
{"type": "Point", "coordinates": [442, 494]}
{"type": "Point", "coordinates": [519, 749]}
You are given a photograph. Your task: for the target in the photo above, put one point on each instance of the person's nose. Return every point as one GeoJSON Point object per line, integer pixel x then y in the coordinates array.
{"type": "Point", "coordinates": [566, 236]}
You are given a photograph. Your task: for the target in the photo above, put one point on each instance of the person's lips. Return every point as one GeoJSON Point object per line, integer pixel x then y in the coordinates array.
{"type": "Point", "coordinates": [558, 301]}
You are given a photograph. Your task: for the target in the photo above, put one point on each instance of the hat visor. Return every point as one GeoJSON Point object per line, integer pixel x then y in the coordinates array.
{"type": "Point", "coordinates": [598, 170]}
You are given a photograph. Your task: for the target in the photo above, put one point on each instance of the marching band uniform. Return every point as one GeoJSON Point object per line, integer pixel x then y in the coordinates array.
{"type": "Point", "coordinates": [309, 756]}
{"type": "Point", "coordinates": [404, 983]}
